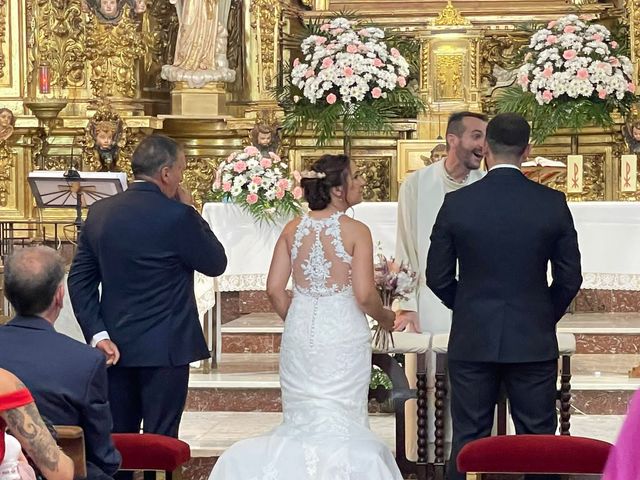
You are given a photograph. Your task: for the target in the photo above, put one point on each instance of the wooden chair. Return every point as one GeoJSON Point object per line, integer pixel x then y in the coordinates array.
{"type": "Point", "coordinates": [533, 454]}
{"type": "Point", "coordinates": [71, 441]}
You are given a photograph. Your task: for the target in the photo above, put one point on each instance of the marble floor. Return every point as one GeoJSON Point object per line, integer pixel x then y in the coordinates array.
{"type": "Point", "coordinates": [211, 433]}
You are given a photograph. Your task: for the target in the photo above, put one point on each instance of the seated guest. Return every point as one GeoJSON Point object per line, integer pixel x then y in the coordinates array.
{"type": "Point", "coordinates": [67, 379]}
{"type": "Point", "coordinates": [623, 462]}
{"type": "Point", "coordinates": [20, 415]}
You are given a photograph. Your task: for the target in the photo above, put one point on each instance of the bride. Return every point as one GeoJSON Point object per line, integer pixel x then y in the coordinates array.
{"type": "Point", "coordinates": [325, 359]}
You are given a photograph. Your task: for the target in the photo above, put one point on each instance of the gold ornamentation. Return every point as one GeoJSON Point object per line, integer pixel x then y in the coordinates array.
{"type": "Point", "coordinates": [633, 11]}
{"type": "Point", "coordinates": [113, 51]}
{"type": "Point", "coordinates": [6, 165]}
{"type": "Point", "coordinates": [198, 177]}
{"type": "Point", "coordinates": [424, 64]}
{"type": "Point", "coordinates": [264, 20]}
{"type": "Point", "coordinates": [159, 31]}
{"type": "Point", "coordinates": [500, 50]}
{"type": "Point", "coordinates": [60, 41]}
{"type": "Point", "coordinates": [104, 138]}
{"type": "Point", "coordinates": [450, 16]}
{"type": "Point", "coordinates": [449, 76]}
{"type": "Point", "coordinates": [593, 177]}
{"type": "Point", "coordinates": [3, 21]}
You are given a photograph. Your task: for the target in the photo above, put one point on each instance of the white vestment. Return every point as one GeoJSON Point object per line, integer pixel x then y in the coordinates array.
{"type": "Point", "coordinates": [420, 199]}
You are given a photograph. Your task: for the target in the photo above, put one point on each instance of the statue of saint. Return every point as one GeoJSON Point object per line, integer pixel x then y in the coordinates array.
{"type": "Point", "coordinates": [201, 48]}
{"type": "Point", "coordinates": [7, 121]}
{"type": "Point", "coordinates": [631, 133]}
{"type": "Point", "coordinates": [110, 11]}
{"type": "Point", "coordinates": [105, 136]}
{"type": "Point", "coordinates": [265, 138]}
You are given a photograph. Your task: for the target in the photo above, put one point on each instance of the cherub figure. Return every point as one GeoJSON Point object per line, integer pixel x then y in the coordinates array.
{"type": "Point", "coordinates": [265, 138]}
{"type": "Point", "coordinates": [110, 11]}
{"type": "Point", "coordinates": [105, 135]}
{"type": "Point", "coordinates": [7, 121]}
{"type": "Point", "coordinates": [437, 153]}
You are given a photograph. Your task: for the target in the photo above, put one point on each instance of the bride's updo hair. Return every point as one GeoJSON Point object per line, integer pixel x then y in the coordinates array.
{"type": "Point", "coordinates": [326, 173]}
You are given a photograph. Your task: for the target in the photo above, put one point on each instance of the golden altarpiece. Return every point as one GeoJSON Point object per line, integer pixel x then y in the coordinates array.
{"type": "Point", "coordinates": [84, 85]}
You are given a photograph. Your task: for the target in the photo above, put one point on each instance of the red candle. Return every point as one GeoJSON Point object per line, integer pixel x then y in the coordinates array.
{"type": "Point", "coordinates": [44, 79]}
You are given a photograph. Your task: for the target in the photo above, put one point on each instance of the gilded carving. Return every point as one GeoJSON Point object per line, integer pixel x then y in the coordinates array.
{"type": "Point", "coordinates": [104, 138]}
{"type": "Point", "coordinates": [449, 74]}
{"type": "Point", "coordinates": [198, 177]}
{"type": "Point", "coordinates": [3, 21]}
{"type": "Point", "coordinates": [424, 67]}
{"type": "Point", "coordinates": [633, 12]}
{"type": "Point", "coordinates": [159, 29]}
{"type": "Point", "coordinates": [60, 41]}
{"type": "Point", "coordinates": [593, 180]}
{"type": "Point", "coordinates": [6, 166]}
{"type": "Point", "coordinates": [501, 51]}
{"type": "Point", "coordinates": [264, 20]}
{"type": "Point", "coordinates": [450, 16]}
{"type": "Point", "coordinates": [113, 51]}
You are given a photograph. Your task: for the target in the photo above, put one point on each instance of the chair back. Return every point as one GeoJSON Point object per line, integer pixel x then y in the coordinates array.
{"type": "Point", "coordinates": [71, 441]}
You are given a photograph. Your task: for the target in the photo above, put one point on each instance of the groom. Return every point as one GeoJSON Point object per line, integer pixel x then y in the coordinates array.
{"type": "Point", "coordinates": [502, 231]}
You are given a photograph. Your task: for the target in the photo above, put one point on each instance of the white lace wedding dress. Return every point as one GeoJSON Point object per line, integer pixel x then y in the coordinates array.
{"type": "Point", "coordinates": [325, 368]}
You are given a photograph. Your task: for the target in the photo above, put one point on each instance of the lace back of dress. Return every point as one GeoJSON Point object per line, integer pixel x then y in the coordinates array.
{"type": "Point", "coordinates": [321, 266]}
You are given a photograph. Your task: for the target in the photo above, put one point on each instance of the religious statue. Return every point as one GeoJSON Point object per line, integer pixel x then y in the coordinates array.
{"type": "Point", "coordinates": [437, 153]}
{"type": "Point", "coordinates": [631, 133]}
{"type": "Point", "coordinates": [265, 138]}
{"type": "Point", "coordinates": [201, 47]}
{"type": "Point", "coordinates": [110, 11]}
{"type": "Point", "coordinates": [7, 121]}
{"type": "Point", "coordinates": [105, 136]}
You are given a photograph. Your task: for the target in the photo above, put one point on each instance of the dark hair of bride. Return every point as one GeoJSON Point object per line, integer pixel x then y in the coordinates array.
{"type": "Point", "coordinates": [326, 173]}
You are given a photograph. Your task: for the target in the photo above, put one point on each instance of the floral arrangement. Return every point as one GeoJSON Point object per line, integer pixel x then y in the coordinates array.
{"type": "Point", "coordinates": [349, 74]}
{"type": "Point", "coordinates": [574, 74]}
{"type": "Point", "coordinates": [394, 282]}
{"type": "Point", "coordinates": [260, 185]}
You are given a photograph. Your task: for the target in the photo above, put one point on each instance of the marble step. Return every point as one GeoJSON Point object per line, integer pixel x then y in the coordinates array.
{"type": "Point", "coordinates": [250, 383]}
{"type": "Point", "coordinates": [601, 333]}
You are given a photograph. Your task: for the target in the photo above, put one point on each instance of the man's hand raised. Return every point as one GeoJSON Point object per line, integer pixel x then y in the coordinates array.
{"type": "Point", "coordinates": [110, 350]}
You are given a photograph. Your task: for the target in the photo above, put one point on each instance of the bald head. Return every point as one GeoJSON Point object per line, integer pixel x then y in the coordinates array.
{"type": "Point", "coordinates": [31, 277]}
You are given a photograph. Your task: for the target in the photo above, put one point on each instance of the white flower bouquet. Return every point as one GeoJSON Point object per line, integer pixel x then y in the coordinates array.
{"type": "Point", "coordinates": [260, 185]}
{"type": "Point", "coordinates": [574, 74]}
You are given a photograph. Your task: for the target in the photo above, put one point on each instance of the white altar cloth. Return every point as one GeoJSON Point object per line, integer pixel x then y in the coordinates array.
{"type": "Point", "coordinates": [608, 235]}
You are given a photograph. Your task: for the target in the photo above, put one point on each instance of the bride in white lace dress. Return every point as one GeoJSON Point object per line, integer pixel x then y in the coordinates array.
{"type": "Point", "coordinates": [325, 359]}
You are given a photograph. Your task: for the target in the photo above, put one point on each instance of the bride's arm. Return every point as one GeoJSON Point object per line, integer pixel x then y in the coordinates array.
{"type": "Point", "coordinates": [279, 274]}
{"type": "Point", "coordinates": [364, 288]}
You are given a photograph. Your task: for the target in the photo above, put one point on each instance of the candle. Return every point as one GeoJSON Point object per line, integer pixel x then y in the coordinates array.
{"type": "Point", "coordinates": [44, 79]}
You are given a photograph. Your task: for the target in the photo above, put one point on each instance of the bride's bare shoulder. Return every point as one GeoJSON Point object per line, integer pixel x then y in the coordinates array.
{"type": "Point", "coordinates": [352, 227]}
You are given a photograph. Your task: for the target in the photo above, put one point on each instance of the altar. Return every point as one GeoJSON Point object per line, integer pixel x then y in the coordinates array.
{"type": "Point", "coordinates": [608, 236]}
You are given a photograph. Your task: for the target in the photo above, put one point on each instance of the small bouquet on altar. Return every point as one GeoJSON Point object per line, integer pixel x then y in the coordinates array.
{"type": "Point", "coordinates": [394, 282]}
{"type": "Point", "coordinates": [259, 184]}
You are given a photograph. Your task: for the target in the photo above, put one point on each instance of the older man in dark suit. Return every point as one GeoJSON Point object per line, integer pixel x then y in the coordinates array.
{"type": "Point", "coordinates": [502, 232]}
{"type": "Point", "coordinates": [68, 379]}
{"type": "Point", "coordinates": [143, 246]}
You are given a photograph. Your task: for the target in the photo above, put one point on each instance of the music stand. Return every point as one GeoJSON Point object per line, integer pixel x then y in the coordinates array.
{"type": "Point", "coordinates": [60, 189]}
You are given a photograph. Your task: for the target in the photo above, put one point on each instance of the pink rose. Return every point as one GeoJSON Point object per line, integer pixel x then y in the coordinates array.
{"type": "Point", "coordinates": [523, 80]}
{"type": "Point", "coordinates": [363, 32]}
{"type": "Point", "coordinates": [265, 163]}
{"type": "Point", "coordinates": [274, 156]}
{"type": "Point", "coordinates": [351, 48]}
{"type": "Point", "coordinates": [582, 74]}
{"type": "Point", "coordinates": [251, 150]}
{"type": "Point", "coordinates": [309, 73]}
{"type": "Point", "coordinates": [547, 72]}
{"type": "Point", "coordinates": [337, 31]}
{"type": "Point", "coordinates": [631, 87]}
{"type": "Point", "coordinates": [377, 62]}
{"type": "Point", "coordinates": [320, 40]}
{"type": "Point", "coordinates": [402, 81]}
{"type": "Point", "coordinates": [551, 39]}
{"type": "Point", "coordinates": [614, 44]}
{"type": "Point", "coordinates": [602, 94]}
{"type": "Point", "coordinates": [279, 193]}
{"type": "Point", "coordinates": [256, 180]}
{"type": "Point", "coordinates": [552, 24]}
{"type": "Point", "coordinates": [325, 27]}
{"type": "Point", "coordinates": [597, 37]}
{"type": "Point", "coordinates": [395, 52]}
{"type": "Point", "coordinates": [297, 176]}
{"type": "Point", "coordinates": [569, 29]}
{"type": "Point", "coordinates": [569, 54]}
{"type": "Point", "coordinates": [252, 198]}
{"type": "Point", "coordinates": [614, 61]}
{"type": "Point", "coordinates": [297, 193]}
{"type": "Point", "coordinates": [348, 71]}
{"type": "Point", "coordinates": [363, 48]}
{"type": "Point", "coordinates": [296, 62]}
{"type": "Point", "coordinates": [331, 99]}
{"type": "Point", "coordinates": [376, 92]}
{"type": "Point", "coordinates": [283, 184]}
{"type": "Point", "coordinates": [226, 187]}
{"type": "Point", "coordinates": [239, 166]}
{"type": "Point", "coordinates": [547, 96]}
{"type": "Point", "coordinates": [327, 62]}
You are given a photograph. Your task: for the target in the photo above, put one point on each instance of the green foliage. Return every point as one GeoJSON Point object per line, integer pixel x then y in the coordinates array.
{"type": "Point", "coordinates": [379, 379]}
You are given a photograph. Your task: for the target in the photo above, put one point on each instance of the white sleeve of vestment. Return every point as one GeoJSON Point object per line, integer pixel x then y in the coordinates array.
{"type": "Point", "coordinates": [406, 237]}
{"type": "Point", "coordinates": [98, 337]}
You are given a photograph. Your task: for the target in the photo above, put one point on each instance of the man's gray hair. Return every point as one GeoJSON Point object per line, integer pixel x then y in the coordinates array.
{"type": "Point", "coordinates": [31, 277]}
{"type": "Point", "coordinates": [153, 153]}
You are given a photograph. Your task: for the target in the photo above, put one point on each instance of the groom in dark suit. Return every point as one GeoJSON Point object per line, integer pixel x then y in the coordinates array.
{"type": "Point", "coordinates": [67, 379]}
{"type": "Point", "coordinates": [502, 232]}
{"type": "Point", "coordinates": [143, 246]}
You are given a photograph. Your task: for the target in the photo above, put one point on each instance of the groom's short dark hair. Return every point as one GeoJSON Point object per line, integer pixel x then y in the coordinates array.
{"type": "Point", "coordinates": [508, 135]}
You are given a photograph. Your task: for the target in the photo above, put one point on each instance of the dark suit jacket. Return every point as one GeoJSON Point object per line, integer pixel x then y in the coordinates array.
{"type": "Point", "coordinates": [68, 381]}
{"type": "Point", "coordinates": [503, 230]}
{"type": "Point", "coordinates": [144, 248]}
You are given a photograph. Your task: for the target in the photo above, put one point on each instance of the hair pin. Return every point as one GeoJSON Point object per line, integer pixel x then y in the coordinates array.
{"type": "Point", "coordinates": [312, 174]}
